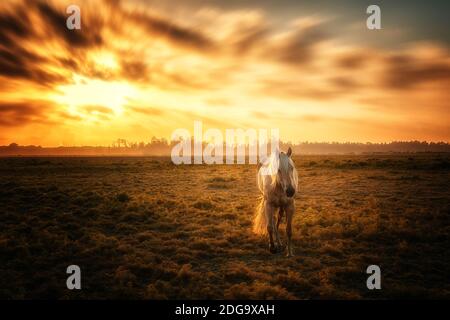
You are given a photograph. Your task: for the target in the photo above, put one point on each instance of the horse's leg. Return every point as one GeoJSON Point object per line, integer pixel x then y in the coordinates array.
{"type": "Point", "coordinates": [280, 216]}
{"type": "Point", "coordinates": [277, 233]}
{"type": "Point", "coordinates": [269, 210]}
{"type": "Point", "coordinates": [289, 214]}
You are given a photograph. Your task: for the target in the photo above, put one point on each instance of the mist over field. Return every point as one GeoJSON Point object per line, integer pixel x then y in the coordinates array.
{"type": "Point", "coordinates": [143, 228]}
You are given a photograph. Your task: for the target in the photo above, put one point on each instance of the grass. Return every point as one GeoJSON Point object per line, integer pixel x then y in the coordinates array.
{"type": "Point", "coordinates": [144, 228]}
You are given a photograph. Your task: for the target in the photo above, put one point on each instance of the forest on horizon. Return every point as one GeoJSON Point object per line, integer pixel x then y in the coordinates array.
{"type": "Point", "coordinates": [162, 147]}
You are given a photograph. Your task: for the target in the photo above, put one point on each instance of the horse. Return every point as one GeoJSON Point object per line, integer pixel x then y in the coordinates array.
{"type": "Point", "coordinates": [277, 180]}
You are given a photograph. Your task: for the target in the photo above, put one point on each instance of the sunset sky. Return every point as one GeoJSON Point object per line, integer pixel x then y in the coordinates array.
{"type": "Point", "coordinates": [143, 68]}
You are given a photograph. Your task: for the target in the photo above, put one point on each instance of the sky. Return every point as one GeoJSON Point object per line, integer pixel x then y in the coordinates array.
{"type": "Point", "coordinates": [143, 68]}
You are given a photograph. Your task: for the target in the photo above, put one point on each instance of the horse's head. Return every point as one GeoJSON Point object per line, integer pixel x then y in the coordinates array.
{"type": "Point", "coordinates": [287, 175]}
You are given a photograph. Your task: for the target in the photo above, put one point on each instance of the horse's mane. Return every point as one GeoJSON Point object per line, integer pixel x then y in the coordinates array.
{"type": "Point", "coordinates": [268, 172]}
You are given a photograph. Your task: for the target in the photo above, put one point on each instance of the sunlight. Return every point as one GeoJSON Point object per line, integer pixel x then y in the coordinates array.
{"type": "Point", "coordinates": [105, 60]}
{"type": "Point", "coordinates": [85, 92]}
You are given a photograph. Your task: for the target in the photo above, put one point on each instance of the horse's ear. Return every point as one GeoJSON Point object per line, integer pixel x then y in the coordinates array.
{"type": "Point", "coordinates": [289, 152]}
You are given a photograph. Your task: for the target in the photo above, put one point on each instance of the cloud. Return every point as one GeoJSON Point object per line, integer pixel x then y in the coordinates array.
{"type": "Point", "coordinates": [248, 38]}
{"type": "Point", "coordinates": [236, 32]}
{"type": "Point", "coordinates": [296, 90]}
{"type": "Point", "coordinates": [134, 70]}
{"type": "Point", "coordinates": [404, 71]}
{"type": "Point", "coordinates": [150, 111]}
{"type": "Point", "coordinates": [353, 60]}
{"type": "Point", "coordinates": [21, 113]}
{"type": "Point", "coordinates": [14, 25]}
{"type": "Point", "coordinates": [170, 30]}
{"type": "Point", "coordinates": [20, 63]}
{"type": "Point", "coordinates": [298, 46]}
{"type": "Point", "coordinates": [43, 25]}
{"type": "Point", "coordinates": [97, 109]}
{"type": "Point", "coordinates": [55, 20]}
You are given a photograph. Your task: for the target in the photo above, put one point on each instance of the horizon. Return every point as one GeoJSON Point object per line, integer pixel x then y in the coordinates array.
{"type": "Point", "coordinates": [142, 68]}
{"type": "Point", "coordinates": [168, 142]}
{"type": "Point", "coordinates": [165, 148]}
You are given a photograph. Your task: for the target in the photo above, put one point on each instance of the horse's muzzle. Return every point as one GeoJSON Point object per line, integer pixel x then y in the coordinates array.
{"type": "Point", "coordinates": [290, 191]}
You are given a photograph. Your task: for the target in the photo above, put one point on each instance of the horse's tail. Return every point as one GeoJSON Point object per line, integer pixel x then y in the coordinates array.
{"type": "Point", "coordinates": [260, 219]}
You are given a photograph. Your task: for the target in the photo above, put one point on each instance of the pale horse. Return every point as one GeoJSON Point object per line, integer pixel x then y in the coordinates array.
{"type": "Point", "coordinates": [277, 180]}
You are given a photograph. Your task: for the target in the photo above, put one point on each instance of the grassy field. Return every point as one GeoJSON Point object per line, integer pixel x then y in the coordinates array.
{"type": "Point", "coordinates": [145, 228]}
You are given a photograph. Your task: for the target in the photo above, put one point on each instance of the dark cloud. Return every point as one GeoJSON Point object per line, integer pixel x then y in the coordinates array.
{"type": "Point", "coordinates": [69, 63]}
{"type": "Point", "coordinates": [248, 37]}
{"type": "Point", "coordinates": [10, 65]}
{"type": "Point", "coordinates": [352, 60]}
{"type": "Point", "coordinates": [20, 63]}
{"type": "Point", "coordinates": [14, 26]}
{"type": "Point", "coordinates": [299, 47]}
{"type": "Point", "coordinates": [184, 80]}
{"type": "Point", "coordinates": [291, 90]}
{"type": "Point", "coordinates": [134, 70]}
{"type": "Point", "coordinates": [21, 113]}
{"type": "Point", "coordinates": [172, 31]}
{"type": "Point", "coordinates": [343, 83]}
{"type": "Point", "coordinates": [17, 59]}
{"type": "Point", "coordinates": [404, 71]}
{"type": "Point", "coordinates": [56, 21]}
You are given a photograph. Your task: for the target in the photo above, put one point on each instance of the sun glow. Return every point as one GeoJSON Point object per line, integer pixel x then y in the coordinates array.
{"type": "Point", "coordinates": [86, 93]}
{"type": "Point", "coordinates": [105, 60]}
